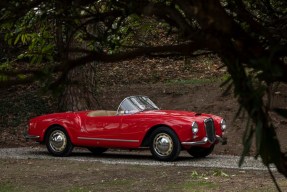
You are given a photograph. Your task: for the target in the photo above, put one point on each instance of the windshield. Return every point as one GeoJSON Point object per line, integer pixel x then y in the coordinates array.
{"type": "Point", "coordinates": [134, 104]}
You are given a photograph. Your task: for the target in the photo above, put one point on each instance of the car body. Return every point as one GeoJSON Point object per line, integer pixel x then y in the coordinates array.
{"type": "Point", "coordinates": [137, 123]}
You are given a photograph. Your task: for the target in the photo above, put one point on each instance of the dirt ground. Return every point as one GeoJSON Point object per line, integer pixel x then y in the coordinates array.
{"type": "Point", "coordinates": [64, 175]}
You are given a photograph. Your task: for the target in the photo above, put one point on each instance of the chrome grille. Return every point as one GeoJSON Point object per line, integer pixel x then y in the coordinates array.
{"type": "Point", "coordinates": [209, 128]}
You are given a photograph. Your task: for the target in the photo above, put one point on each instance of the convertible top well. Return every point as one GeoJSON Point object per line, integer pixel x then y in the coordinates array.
{"type": "Point", "coordinates": [101, 113]}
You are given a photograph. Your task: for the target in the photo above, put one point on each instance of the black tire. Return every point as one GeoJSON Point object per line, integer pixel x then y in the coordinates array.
{"type": "Point", "coordinates": [200, 152]}
{"type": "Point", "coordinates": [164, 144]}
{"type": "Point", "coordinates": [58, 142]}
{"type": "Point", "coordinates": [97, 150]}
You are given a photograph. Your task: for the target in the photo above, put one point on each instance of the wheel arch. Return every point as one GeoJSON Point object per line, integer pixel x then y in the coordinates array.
{"type": "Point", "coordinates": [56, 125]}
{"type": "Point", "coordinates": [146, 139]}
{"type": "Point", "coordinates": [58, 147]}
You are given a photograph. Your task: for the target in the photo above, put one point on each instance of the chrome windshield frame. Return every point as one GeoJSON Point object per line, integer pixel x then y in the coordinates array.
{"type": "Point", "coordinates": [137, 103]}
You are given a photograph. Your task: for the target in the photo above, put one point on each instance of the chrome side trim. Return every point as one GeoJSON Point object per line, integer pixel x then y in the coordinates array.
{"type": "Point", "coordinates": [104, 139]}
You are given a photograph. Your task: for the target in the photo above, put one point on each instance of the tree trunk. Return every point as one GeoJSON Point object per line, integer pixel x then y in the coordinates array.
{"type": "Point", "coordinates": [80, 84]}
{"type": "Point", "coordinates": [79, 92]}
{"type": "Point", "coordinates": [80, 88]}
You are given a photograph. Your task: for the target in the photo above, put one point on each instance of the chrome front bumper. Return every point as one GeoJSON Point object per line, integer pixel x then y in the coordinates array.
{"type": "Point", "coordinates": [30, 137]}
{"type": "Point", "coordinates": [205, 140]}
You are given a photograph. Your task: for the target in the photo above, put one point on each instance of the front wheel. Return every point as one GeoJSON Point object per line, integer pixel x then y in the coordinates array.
{"type": "Point", "coordinates": [58, 142]}
{"type": "Point", "coordinates": [200, 152]}
{"type": "Point", "coordinates": [164, 145]}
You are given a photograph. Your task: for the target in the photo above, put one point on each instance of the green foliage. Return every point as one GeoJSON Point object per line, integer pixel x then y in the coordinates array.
{"type": "Point", "coordinates": [21, 108]}
{"type": "Point", "coordinates": [135, 31]}
{"type": "Point", "coordinates": [34, 37]}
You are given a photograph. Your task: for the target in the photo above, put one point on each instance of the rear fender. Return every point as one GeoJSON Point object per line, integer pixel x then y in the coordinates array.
{"type": "Point", "coordinates": [70, 126]}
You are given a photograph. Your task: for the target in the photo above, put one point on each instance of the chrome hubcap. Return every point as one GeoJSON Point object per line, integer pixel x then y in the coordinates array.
{"type": "Point", "coordinates": [58, 141]}
{"type": "Point", "coordinates": [163, 144]}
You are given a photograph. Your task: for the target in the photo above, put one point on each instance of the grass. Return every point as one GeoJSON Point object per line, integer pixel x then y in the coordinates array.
{"type": "Point", "coordinates": [204, 181]}
{"type": "Point", "coordinates": [7, 187]}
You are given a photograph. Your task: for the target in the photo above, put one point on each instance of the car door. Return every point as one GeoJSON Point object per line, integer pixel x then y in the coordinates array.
{"type": "Point", "coordinates": [103, 126]}
{"type": "Point", "coordinates": [109, 131]}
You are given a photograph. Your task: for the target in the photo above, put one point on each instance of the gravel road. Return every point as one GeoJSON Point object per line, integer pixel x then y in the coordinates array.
{"type": "Point", "coordinates": [134, 158]}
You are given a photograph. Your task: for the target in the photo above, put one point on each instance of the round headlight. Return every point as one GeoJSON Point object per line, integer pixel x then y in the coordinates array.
{"type": "Point", "coordinates": [223, 125]}
{"type": "Point", "coordinates": [194, 127]}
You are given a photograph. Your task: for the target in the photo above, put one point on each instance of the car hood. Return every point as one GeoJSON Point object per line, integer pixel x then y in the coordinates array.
{"type": "Point", "coordinates": [175, 113]}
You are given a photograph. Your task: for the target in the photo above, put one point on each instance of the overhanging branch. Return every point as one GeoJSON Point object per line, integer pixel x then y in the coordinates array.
{"type": "Point", "coordinates": [92, 56]}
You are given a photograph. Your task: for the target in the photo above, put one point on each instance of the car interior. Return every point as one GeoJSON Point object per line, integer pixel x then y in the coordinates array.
{"type": "Point", "coordinates": [101, 113]}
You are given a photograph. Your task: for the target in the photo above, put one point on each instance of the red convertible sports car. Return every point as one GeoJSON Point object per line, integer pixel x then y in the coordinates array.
{"type": "Point", "coordinates": [137, 123]}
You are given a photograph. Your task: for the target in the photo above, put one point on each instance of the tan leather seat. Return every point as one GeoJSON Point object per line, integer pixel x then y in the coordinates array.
{"type": "Point", "coordinates": [101, 113]}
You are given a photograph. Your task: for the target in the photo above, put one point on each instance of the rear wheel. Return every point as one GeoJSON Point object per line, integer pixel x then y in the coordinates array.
{"type": "Point", "coordinates": [164, 145]}
{"type": "Point", "coordinates": [97, 150]}
{"type": "Point", "coordinates": [200, 152]}
{"type": "Point", "coordinates": [58, 142]}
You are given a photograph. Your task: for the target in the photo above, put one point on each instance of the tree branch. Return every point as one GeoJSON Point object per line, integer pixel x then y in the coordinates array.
{"type": "Point", "coordinates": [91, 56]}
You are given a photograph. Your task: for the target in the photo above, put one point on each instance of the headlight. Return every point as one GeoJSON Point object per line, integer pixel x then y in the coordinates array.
{"type": "Point", "coordinates": [223, 124]}
{"type": "Point", "coordinates": [194, 127]}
